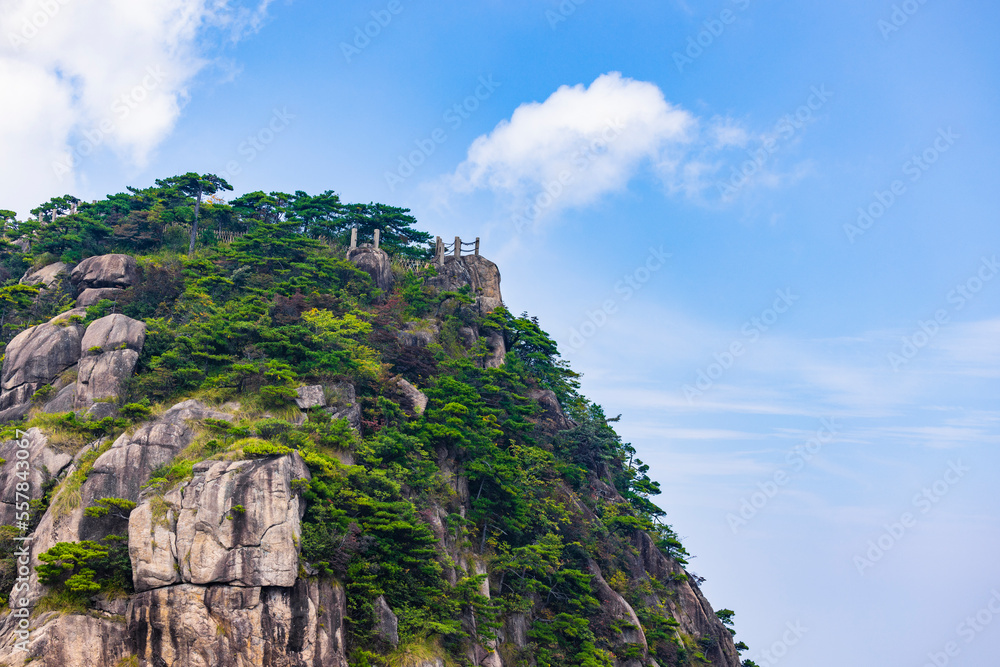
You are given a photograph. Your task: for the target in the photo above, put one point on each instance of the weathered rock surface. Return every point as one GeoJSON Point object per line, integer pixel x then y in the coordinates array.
{"type": "Point", "coordinates": [233, 523]}
{"type": "Point", "coordinates": [111, 347]}
{"type": "Point", "coordinates": [62, 319]}
{"type": "Point", "coordinates": [552, 417]}
{"type": "Point", "coordinates": [64, 401]}
{"type": "Point", "coordinates": [473, 270]}
{"type": "Point", "coordinates": [39, 354]}
{"type": "Point", "coordinates": [226, 626]}
{"type": "Point", "coordinates": [498, 350]}
{"type": "Point", "coordinates": [310, 397]}
{"type": "Point", "coordinates": [106, 271]}
{"type": "Point", "coordinates": [419, 334]}
{"type": "Point", "coordinates": [47, 276]}
{"type": "Point", "coordinates": [35, 357]}
{"type": "Point", "coordinates": [376, 263]}
{"type": "Point", "coordinates": [92, 295]}
{"type": "Point", "coordinates": [58, 640]}
{"type": "Point", "coordinates": [687, 604]}
{"type": "Point", "coordinates": [386, 623]}
{"type": "Point", "coordinates": [42, 463]}
{"type": "Point", "coordinates": [115, 332]}
{"type": "Point", "coordinates": [414, 396]}
{"type": "Point", "coordinates": [344, 404]}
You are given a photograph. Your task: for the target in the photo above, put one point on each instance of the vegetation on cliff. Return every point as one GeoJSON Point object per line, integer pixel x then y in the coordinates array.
{"type": "Point", "coordinates": [404, 508]}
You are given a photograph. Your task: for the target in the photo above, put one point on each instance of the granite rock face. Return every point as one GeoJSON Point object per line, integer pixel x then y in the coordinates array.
{"type": "Point", "coordinates": [376, 263]}
{"type": "Point", "coordinates": [478, 272]}
{"type": "Point", "coordinates": [231, 626]}
{"type": "Point", "coordinates": [310, 397]}
{"type": "Point", "coordinates": [106, 271]}
{"type": "Point", "coordinates": [47, 276]}
{"type": "Point", "coordinates": [233, 523]}
{"type": "Point", "coordinates": [67, 640]}
{"type": "Point", "coordinates": [42, 462]}
{"type": "Point", "coordinates": [92, 295]}
{"type": "Point", "coordinates": [110, 349]}
{"type": "Point", "coordinates": [34, 358]}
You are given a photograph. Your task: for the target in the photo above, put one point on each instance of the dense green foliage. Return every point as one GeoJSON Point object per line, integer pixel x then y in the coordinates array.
{"type": "Point", "coordinates": [403, 508]}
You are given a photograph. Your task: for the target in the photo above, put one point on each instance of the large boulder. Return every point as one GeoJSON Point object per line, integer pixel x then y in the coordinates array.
{"type": "Point", "coordinates": [111, 347]}
{"type": "Point", "coordinates": [33, 359]}
{"type": "Point", "coordinates": [115, 332]}
{"type": "Point", "coordinates": [92, 295]}
{"type": "Point", "coordinates": [106, 271]}
{"type": "Point", "coordinates": [233, 523]}
{"type": "Point", "coordinates": [376, 263]}
{"type": "Point", "coordinates": [47, 276]}
{"type": "Point", "coordinates": [37, 355]}
{"type": "Point", "coordinates": [478, 272]}
{"type": "Point", "coordinates": [230, 626]}
{"type": "Point", "coordinates": [44, 463]}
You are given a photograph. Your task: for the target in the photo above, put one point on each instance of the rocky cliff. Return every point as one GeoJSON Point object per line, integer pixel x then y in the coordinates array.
{"type": "Point", "coordinates": [350, 465]}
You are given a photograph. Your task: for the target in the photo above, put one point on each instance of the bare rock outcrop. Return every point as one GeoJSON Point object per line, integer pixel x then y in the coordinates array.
{"type": "Point", "coordinates": [47, 276]}
{"type": "Point", "coordinates": [416, 398]}
{"type": "Point", "coordinates": [92, 295]}
{"type": "Point", "coordinates": [478, 272]}
{"type": "Point", "coordinates": [552, 417]}
{"type": "Point", "coordinates": [110, 349]}
{"type": "Point", "coordinates": [106, 271]}
{"type": "Point", "coordinates": [311, 396]}
{"type": "Point", "coordinates": [229, 626]}
{"type": "Point", "coordinates": [386, 623]}
{"type": "Point", "coordinates": [35, 357]}
{"type": "Point", "coordinates": [71, 640]}
{"type": "Point", "coordinates": [376, 263]}
{"type": "Point", "coordinates": [233, 523]}
{"type": "Point", "coordinates": [42, 462]}
{"type": "Point", "coordinates": [343, 403]}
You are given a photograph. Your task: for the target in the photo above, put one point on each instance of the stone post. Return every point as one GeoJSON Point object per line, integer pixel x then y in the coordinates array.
{"type": "Point", "coordinates": [439, 252]}
{"type": "Point", "coordinates": [477, 246]}
{"type": "Point", "coordinates": [378, 233]}
{"type": "Point", "coordinates": [458, 247]}
{"type": "Point", "coordinates": [354, 238]}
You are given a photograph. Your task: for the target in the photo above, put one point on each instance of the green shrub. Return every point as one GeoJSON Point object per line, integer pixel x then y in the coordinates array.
{"type": "Point", "coordinates": [261, 449]}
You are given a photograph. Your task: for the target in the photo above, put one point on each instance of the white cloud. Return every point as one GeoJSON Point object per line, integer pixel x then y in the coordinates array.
{"type": "Point", "coordinates": [576, 146]}
{"type": "Point", "coordinates": [85, 77]}
{"type": "Point", "coordinates": [584, 143]}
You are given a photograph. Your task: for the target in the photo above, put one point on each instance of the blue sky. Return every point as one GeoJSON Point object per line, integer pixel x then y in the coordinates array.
{"type": "Point", "coordinates": [632, 150]}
